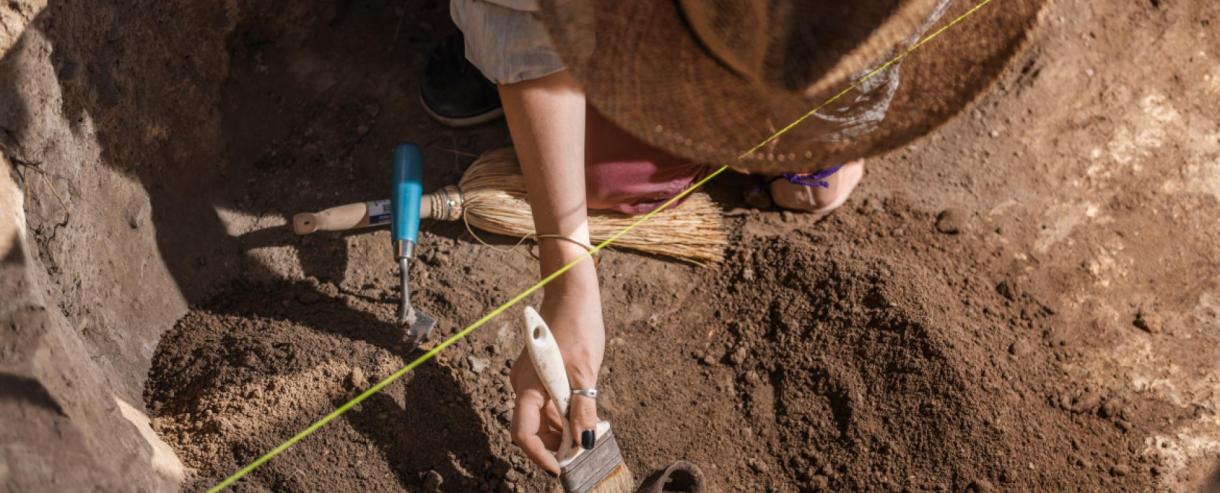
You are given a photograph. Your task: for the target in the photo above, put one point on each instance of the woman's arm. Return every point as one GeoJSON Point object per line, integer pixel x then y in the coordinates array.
{"type": "Point", "coordinates": [546, 118]}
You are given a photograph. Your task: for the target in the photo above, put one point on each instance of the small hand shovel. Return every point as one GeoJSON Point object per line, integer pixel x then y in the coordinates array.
{"type": "Point", "coordinates": [404, 230]}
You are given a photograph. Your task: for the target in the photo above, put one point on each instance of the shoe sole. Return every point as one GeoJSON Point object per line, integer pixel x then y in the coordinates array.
{"type": "Point", "coordinates": [462, 122]}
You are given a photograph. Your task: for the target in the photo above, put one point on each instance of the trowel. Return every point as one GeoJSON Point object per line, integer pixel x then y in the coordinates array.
{"type": "Point", "coordinates": [405, 198]}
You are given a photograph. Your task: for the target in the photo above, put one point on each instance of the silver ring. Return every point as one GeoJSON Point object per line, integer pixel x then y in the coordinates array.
{"type": "Point", "coordinates": [590, 393]}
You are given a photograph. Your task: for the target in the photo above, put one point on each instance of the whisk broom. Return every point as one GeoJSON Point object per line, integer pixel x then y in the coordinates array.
{"type": "Point", "coordinates": [491, 197]}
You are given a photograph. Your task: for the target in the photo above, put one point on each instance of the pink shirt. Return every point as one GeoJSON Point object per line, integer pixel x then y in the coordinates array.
{"type": "Point", "coordinates": [625, 174]}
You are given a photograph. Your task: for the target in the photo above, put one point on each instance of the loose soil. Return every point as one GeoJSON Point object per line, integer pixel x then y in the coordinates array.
{"type": "Point", "coordinates": [1026, 300]}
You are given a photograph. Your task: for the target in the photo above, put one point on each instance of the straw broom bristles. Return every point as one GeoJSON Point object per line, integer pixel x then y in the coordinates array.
{"type": "Point", "coordinates": [493, 199]}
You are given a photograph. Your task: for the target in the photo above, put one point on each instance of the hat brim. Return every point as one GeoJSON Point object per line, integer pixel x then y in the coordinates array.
{"type": "Point", "coordinates": [643, 69]}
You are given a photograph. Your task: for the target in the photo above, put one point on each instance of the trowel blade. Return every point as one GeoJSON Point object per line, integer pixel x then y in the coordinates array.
{"type": "Point", "coordinates": [418, 325]}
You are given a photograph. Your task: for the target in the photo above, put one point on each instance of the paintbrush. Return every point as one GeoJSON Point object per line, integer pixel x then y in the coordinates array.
{"type": "Point", "coordinates": [599, 470]}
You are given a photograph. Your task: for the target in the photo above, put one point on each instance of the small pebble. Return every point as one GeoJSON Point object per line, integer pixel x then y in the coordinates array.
{"type": "Point", "coordinates": [357, 379]}
{"type": "Point", "coordinates": [1018, 348]}
{"type": "Point", "coordinates": [477, 364]}
{"type": "Point", "coordinates": [1147, 321]}
{"type": "Point", "coordinates": [1087, 402]}
{"type": "Point", "coordinates": [1120, 470]}
{"type": "Point", "coordinates": [950, 221]}
{"type": "Point", "coordinates": [432, 481]}
{"type": "Point", "coordinates": [739, 355]}
{"type": "Point", "coordinates": [753, 378]}
{"type": "Point", "coordinates": [980, 486]}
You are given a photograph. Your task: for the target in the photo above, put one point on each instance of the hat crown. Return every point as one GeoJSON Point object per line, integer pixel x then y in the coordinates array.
{"type": "Point", "coordinates": [793, 44]}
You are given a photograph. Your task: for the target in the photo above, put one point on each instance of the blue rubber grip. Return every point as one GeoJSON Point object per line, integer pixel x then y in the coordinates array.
{"type": "Point", "coordinates": [407, 192]}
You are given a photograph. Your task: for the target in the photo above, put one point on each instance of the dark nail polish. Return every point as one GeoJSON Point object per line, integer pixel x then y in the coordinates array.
{"type": "Point", "coordinates": [588, 439]}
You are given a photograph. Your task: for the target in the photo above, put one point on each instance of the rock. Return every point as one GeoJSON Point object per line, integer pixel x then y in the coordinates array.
{"type": "Point", "coordinates": [1147, 321]}
{"type": "Point", "coordinates": [249, 360]}
{"type": "Point", "coordinates": [739, 356]}
{"type": "Point", "coordinates": [757, 465]}
{"type": "Point", "coordinates": [980, 486]}
{"type": "Point", "coordinates": [819, 483]}
{"type": "Point", "coordinates": [752, 378]}
{"type": "Point", "coordinates": [1018, 348]}
{"type": "Point", "coordinates": [1087, 402]}
{"type": "Point", "coordinates": [1005, 290]}
{"type": "Point", "coordinates": [477, 364]}
{"type": "Point", "coordinates": [950, 221]}
{"type": "Point", "coordinates": [433, 481]}
{"type": "Point", "coordinates": [1111, 408]}
{"type": "Point", "coordinates": [748, 275]}
{"type": "Point", "coordinates": [356, 378]}
{"type": "Point", "coordinates": [788, 216]}
{"type": "Point", "coordinates": [1120, 470]}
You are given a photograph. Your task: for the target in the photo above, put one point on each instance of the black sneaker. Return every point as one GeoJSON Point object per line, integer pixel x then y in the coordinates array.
{"type": "Point", "coordinates": [453, 91]}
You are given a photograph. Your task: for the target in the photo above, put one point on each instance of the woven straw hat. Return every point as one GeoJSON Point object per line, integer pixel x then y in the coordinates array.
{"type": "Point", "coordinates": [709, 79]}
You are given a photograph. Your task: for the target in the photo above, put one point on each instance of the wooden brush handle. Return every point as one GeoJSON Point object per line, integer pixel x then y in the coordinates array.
{"type": "Point", "coordinates": [353, 216]}
{"type": "Point", "coordinates": [548, 363]}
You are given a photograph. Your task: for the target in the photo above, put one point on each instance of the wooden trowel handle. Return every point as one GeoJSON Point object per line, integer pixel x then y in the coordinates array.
{"type": "Point", "coordinates": [351, 216]}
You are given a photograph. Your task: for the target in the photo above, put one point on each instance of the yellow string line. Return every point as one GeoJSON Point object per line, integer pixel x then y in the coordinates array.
{"type": "Point", "coordinates": [554, 275]}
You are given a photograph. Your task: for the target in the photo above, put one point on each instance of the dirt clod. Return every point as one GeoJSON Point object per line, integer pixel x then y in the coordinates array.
{"type": "Point", "coordinates": [950, 221]}
{"type": "Point", "coordinates": [356, 379]}
{"type": "Point", "coordinates": [433, 481]}
{"type": "Point", "coordinates": [1148, 321]}
{"type": "Point", "coordinates": [980, 486]}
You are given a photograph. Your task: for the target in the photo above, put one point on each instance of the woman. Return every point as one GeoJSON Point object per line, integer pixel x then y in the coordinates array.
{"type": "Point", "coordinates": [672, 86]}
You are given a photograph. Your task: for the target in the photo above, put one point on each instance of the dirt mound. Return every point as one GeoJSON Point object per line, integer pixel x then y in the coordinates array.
{"type": "Point", "coordinates": [232, 381]}
{"type": "Point", "coordinates": [889, 362]}
{"type": "Point", "coordinates": [850, 355]}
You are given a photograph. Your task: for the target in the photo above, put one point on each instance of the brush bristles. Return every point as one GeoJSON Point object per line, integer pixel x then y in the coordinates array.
{"type": "Point", "coordinates": [618, 481]}
{"type": "Point", "coordinates": [493, 193]}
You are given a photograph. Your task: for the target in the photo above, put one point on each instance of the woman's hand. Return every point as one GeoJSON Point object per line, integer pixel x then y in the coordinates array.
{"type": "Point", "coordinates": [535, 420]}
{"type": "Point", "coordinates": [575, 320]}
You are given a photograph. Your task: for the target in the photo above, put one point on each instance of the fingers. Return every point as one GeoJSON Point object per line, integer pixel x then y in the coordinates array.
{"type": "Point", "coordinates": [583, 414]}
{"type": "Point", "coordinates": [527, 432]}
{"type": "Point", "coordinates": [551, 416]}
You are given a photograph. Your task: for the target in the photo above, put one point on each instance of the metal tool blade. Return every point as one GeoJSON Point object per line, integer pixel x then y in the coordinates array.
{"type": "Point", "coordinates": [417, 323]}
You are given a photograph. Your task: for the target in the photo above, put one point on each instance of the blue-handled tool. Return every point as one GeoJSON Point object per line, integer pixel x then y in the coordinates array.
{"type": "Point", "coordinates": [405, 199]}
